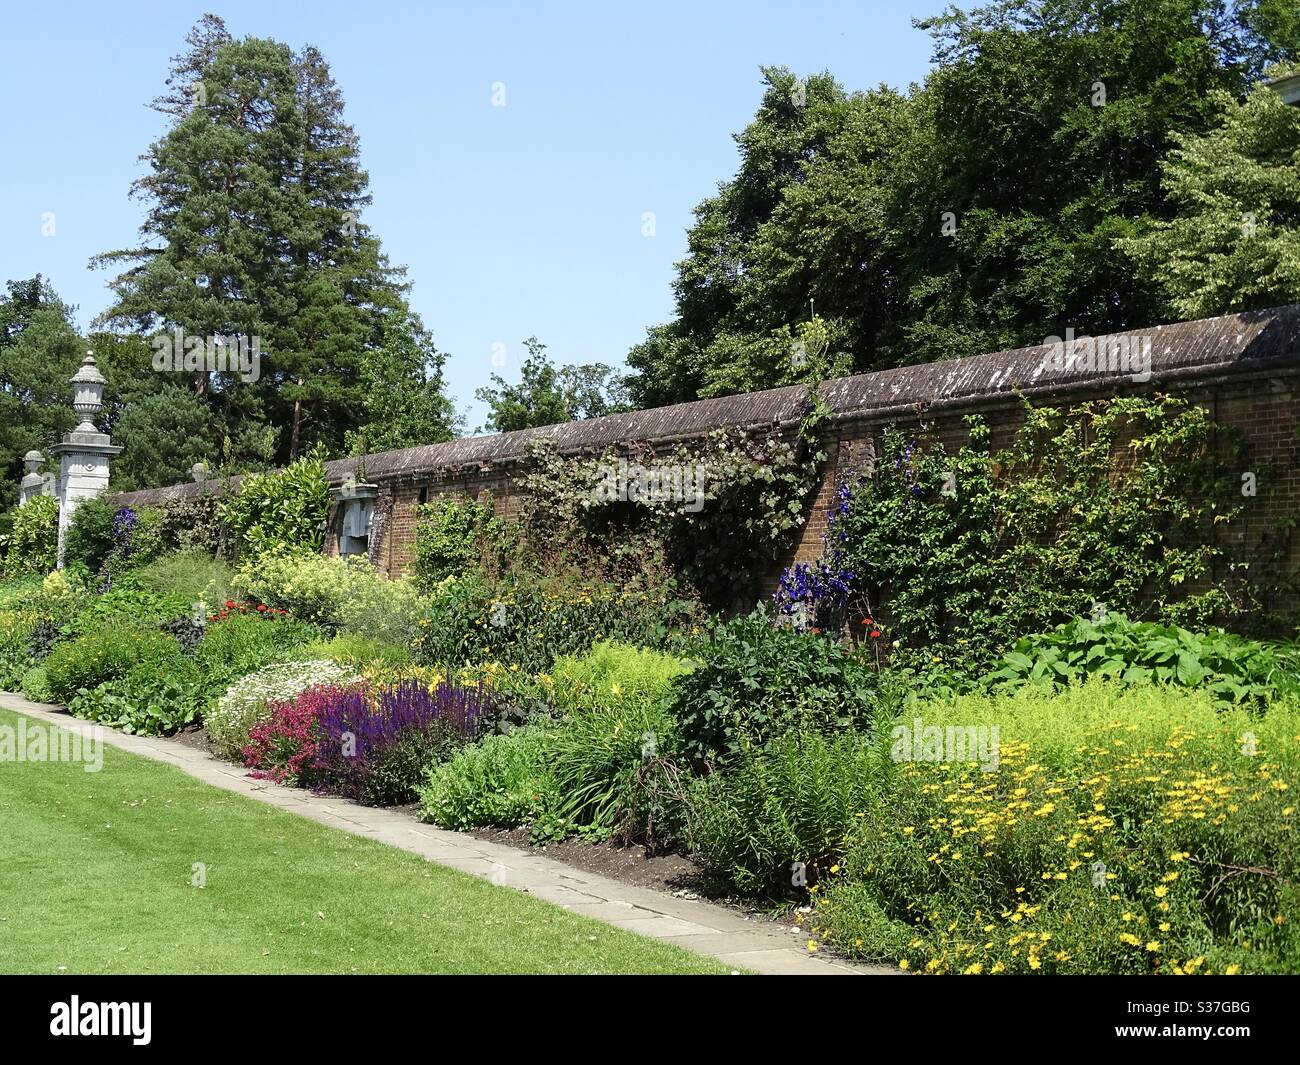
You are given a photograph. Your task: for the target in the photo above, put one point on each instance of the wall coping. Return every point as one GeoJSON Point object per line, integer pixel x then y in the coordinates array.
{"type": "Point", "coordinates": [1230, 348]}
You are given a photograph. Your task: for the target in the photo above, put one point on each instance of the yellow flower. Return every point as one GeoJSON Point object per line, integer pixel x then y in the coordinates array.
{"type": "Point", "coordinates": [1232, 970]}
{"type": "Point", "coordinates": [1161, 891]}
{"type": "Point", "coordinates": [903, 964]}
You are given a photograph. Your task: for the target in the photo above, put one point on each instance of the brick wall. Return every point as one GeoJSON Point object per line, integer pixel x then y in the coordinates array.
{"type": "Point", "coordinates": [1244, 369]}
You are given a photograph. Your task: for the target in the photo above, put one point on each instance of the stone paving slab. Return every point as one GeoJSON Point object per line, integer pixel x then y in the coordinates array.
{"type": "Point", "coordinates": [700, 926]}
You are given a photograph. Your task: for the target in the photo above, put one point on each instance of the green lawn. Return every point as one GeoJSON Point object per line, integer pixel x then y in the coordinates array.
{"type": "Point", "coordinates": [95, 877]}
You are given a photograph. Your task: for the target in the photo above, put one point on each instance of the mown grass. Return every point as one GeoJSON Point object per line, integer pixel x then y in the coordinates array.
{"type": "Point", "coordinates": [96, 874]}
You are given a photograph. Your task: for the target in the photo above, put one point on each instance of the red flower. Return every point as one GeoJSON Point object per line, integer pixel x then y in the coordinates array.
{"type": "Point", "coordinates": [261, 608]}
{"type": "Point", "coordinates": [230, 604]}
{"type": "Point", "coordinates": [875, 633]}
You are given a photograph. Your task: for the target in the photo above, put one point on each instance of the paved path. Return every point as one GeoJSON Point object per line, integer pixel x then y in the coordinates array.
{"type": "Point", "coordinates": [696, 925]}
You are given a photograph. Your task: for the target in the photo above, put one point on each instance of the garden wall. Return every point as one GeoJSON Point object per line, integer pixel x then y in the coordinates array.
{"type": "Point", "coordinates": [1245, 369]}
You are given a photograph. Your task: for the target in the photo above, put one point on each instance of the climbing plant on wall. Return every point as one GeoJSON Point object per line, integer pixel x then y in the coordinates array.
{"type": "Point", "coordinates": [715, 512]}
{"type": "Point", "coordinates": [1124, 504]}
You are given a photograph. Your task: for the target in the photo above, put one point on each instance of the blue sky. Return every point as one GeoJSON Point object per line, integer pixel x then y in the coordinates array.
{"type": "Point", "coordinates": [513, 221]}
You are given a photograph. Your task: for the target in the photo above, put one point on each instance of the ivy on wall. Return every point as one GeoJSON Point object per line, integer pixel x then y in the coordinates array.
{"type": "Point", "coordinates": [713, 513]}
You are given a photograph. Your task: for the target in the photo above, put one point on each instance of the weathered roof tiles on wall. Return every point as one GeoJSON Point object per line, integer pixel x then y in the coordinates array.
{"type": "Point", "coordinates": [1257, 341]}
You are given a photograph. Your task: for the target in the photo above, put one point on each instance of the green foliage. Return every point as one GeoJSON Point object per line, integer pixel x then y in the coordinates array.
{"type": "Point", "coordinates": [32, 543]}
{"type": "Point", "coordinates": [283, 510]}
{"type": "Point", "coordinates": [455, 534]}
{"type": "Point", "coordinates": [364, 654]}
{"type": "Point", "coordinates": [754, 681]}
{"type": "Point", "coordinates": [714, 513]}
{"type": "Point", "coordinates": [164, 428]}
{"type": "Point", "coordinates": [981, 210]}
{"type": "Point", "coordinates": [90, 535]}
{"type": "Point", "coordinates": [779, 818]}
{"type": "Point", "coordinates": [39, 351]}
{"type": "Point", "coordinates": [109, 652]}
{"type": "Point", "coordinates": [404, 402]}
{"type": "Point", "coordinates": [1233, 670]}
{"type": "Point", "coordinates": [320, 299]}
{"type": "Point", "coordinates": [1232, 244]}
{"type": "Point", "coordinates": [17, 592]}
{"type": "Point", "coordinates": [145, 701]}
{"type": "Point", "coordinates": [128, 606]}
{"type": "Point", "coordinates": [244, 643]}
{"type": "Point", "coordinates": [15, 659]}
{"type": "Point", "coordinates": [630, 674]}
{"type": "Point", "coordinates": [1124, 830]}
{"type": "Point", "coordinates": [192, 574]}
{"type": "Point", "coordinates": [500, 782]}
{"type": "Point", "coordinates": [547, 396]}
{"type": "Point", "coordinates": [36, 685]}
{"type": "Point", "coordinates": [613, 755]}
{"type": "Point", "coordinates": [346, 593]}
{"type": "Point", "coordinates": [530, 622]}
{"type": "Point", "coordinates": [1122, 502]}
{"type": "Point", "coordinates": [194, 524]}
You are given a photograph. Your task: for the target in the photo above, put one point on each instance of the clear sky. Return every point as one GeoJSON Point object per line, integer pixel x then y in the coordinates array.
{"type": "Point", "coordinates": [513, 221]}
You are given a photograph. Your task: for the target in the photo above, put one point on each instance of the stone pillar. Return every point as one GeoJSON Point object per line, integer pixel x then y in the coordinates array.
{"type": "Point", "coordinates": [34, 484]}
{"type": "Point", "coordinates": [85, 452]}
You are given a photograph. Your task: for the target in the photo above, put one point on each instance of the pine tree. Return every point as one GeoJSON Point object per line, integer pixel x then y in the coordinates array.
{"type": "Point", "coordinates": [254, 233]}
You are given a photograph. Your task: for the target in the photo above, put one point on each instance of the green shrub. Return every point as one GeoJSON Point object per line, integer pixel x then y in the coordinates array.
{"type": "Point", "coordinates": [15, 636]}
{"type": "Point", "coordinates": [128, 606]}
{"type": "Point", "coordinates": [629, 674]}
{"type": "Point", "coordinates": [283, 510]}
{"type": "Point", "coordinates": [108, 653]}
{"type": "Point", "coordinates": [1123, 830]}
{"type": "Point", "coordinates": [245, 702]}
{"type": "Point", "coordinates": [612, 763]}
{"type": "Point", "coordinates": [244, 643]}
{"type": "Point", "coordinates": [1233, 670]}
{"type": "Point", "coordinates": [614, 755]}
{"type": "Point", "coordinates": [18, 591]}
{"type": "Point", "coordinates": [1120, 500]}
{"type": "Point", "coordinates": [36, 685]}
{"type": "Point", "coordinates": [754, 681]}
{"type": "Point", "coordinates": [501, 782]}
{"type": "Point", "coordinates": [779, 818]}
{"type": "Point", "coordinates": [334, 592]}
{"type": "Point", "coordinates": [90, 535]}
{"type": "Point", "coordinates": [145, 702]}
{"type": "Point", "coordinates": [361, 653]}
{"type": "Point", "coordinates": [32, 543]}
{"type": "Point", "coordinates": [530, 622]}
{"type": "Point", "coordinates": [60, 597]}
{"type": "Point", "coordinates": [193, 575]}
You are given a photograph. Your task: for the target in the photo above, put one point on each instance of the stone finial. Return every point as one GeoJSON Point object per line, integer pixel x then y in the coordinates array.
{"type": "Point", "coordinates": [199, 471]}
{"type": "Point", "coordinates": [32, 460]}
{"type": "Point", "coordinates": [87, 393]}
